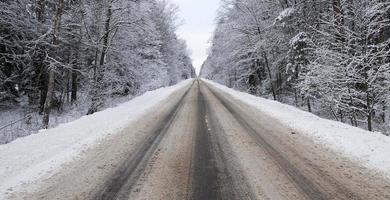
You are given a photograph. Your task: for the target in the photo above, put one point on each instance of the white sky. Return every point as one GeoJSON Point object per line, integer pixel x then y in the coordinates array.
{"type": "Point", "coordinates": [198, 27]}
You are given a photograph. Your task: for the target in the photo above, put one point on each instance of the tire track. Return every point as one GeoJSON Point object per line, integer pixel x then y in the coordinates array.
{"type": "Point", "coordinates": [205, 172]}
{"type": "Point", "coordinates": [311, 189]}
{"type": "Point", "coordinates": [120, 184]}
{"type": "Point", "coordinates": [212, 177]}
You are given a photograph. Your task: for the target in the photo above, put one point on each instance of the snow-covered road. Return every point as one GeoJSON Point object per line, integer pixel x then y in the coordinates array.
{"type": "Point", "coordinates": [197, 140]}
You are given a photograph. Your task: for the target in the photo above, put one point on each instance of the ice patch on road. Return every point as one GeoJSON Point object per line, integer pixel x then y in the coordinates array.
{"type": "Point", "coordinates": [27, 159]}
{"type": "Point", "coordinates": [370, 149]}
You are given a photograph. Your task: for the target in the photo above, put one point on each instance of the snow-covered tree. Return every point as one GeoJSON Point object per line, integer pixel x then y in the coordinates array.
{"type": "Point", "coordinates": [54, 51]}
{"type": "Point", "coordinates": [330, 53]}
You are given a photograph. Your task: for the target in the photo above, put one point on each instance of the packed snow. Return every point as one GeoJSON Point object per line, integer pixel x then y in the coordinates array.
{"type": "Point", "coordinates": [368, 148]}
{"type": "Point", "coordinates": [27, 159]}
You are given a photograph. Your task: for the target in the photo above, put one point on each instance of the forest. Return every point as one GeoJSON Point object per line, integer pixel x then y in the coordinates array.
{"type": "Point", "coordinates": [330, 57]}
{"type": "Point", "coordinates": [62, 56]}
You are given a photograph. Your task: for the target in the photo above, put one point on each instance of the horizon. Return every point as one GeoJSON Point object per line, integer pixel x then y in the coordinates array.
{"type": "Point", "coordinates": [197, 30]}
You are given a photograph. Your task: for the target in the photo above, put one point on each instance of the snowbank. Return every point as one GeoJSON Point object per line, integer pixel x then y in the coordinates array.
{"type": "Point", "coordinates": [27, 159]}
{"type": "Point", "coordinates": [370, 149]}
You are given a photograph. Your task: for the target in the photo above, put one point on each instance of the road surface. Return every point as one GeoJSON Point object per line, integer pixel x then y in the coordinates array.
{"type": "Point", "coordinates": [203, 144]}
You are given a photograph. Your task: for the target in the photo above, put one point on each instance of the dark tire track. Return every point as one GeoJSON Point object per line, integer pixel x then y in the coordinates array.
{"type": "Point", "coordinates": [119, 186]}
{"type": "Point", "coordinates": [211, 177]}
{"type": "Point", "coordinates": [311, 189]}
{"type": "Point", "coordinates": [205, 171]}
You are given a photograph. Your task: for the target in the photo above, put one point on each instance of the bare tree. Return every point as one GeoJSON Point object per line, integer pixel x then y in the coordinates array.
{"type": "Point", "coordinates": [51, 83]}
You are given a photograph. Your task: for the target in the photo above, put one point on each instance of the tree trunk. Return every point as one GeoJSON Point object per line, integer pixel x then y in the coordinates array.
{"type": "Point", "coordinates": [42, 88]}
{"type": "Point", "coordinates": [50, 87]}
{"type": "Point", "coordinates": [336, 5]}
{"type": "Point", "coordinates": [269, 75]}
{"type": "Point", "coordinates": [339, 19]}
{"type": "Point", "coordinates": [308, 105]}
{"type": "Point", "coordinates": [73, 96]}
{"type": "Point", "coordinates": [253, 79]}
{"type": "Point", "coordinates": [383, 115]}
{"type": "Point", "coordinates": [369, 112]}
{"type": "Point", "coordinates": [279, 83]}
{"type": "Point", "coordinates": [49, 98]}
{"type": "Point", "coordinates": [341, 116]}
{"type": "Point", "coordinates": [66, 88]}
{"type": "Point", "coordinates": [99, 73]}
{"type": "Point", "coordinates": [40, 68]}
{"type": "Point", "coordinates": [74, 75]}
{"type": "Point", "coordinates": [252, 84]}
{"type": "Point", "coordinates": [369, 121]}
{"type": "Point", "coordinates": [354, 120]}
{"type": "Point", "coordinates": [40, 10]}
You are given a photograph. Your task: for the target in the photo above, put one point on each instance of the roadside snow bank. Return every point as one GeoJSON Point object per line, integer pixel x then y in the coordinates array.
{"type": "Point", "coordinates": [370, 149]}
{"type": "Point", "coordinates": [27, 159]}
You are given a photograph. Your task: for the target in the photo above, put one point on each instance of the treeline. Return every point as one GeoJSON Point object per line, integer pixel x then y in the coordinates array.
{"type": "Point", "coordinates": [331, 53]}
{"type": "Point", "coordinates": [53, 51]}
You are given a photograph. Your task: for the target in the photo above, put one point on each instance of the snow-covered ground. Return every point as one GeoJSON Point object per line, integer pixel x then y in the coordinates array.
{"type": "Point", "coordinates": [27, 159]}
{"type": "Point", "coordinates": [68, 113]}
{"type": "Point", "coordinates": [368, 148]}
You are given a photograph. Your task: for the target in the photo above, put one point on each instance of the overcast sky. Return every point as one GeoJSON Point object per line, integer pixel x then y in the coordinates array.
{"type": "Point", "coordinates": [198, 17]}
